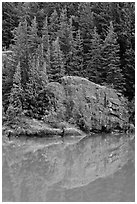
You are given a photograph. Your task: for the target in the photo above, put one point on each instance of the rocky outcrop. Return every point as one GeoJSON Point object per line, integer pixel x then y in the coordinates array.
{"type": "Point", "coordinates": [90, 106]}
{"type": "Point", "coordinates": [77, 106]}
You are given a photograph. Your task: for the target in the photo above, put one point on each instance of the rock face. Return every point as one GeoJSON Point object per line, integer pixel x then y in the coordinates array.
{"type": "Point", "coordinates": [88, 105]}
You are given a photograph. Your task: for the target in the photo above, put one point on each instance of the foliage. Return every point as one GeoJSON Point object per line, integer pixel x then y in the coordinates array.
{"type": "Point", "coordinates": [111, 60]}
{"type": "Point", "coordinates": [95, 40]}
{"type": "Point", "coordinates": [54, 25]}
{"type": "Point", "coordinates": [57, 65]}
{"type": "Point", "coordinates": [15, 100]}
{"type": "Point", "coordinates": [20, 49]}
{"type": "Point", "coordinates": [93, 58]}
{"type": "Point", "coordinates": [45, 36]}
{"type": "Point", "coordinates": [131, 108]}
{"type": "Point", "coordinates": [32, 36]}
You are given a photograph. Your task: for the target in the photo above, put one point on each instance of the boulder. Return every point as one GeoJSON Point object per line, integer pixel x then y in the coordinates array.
{"type": "Point", "coordinates": [88, 105]}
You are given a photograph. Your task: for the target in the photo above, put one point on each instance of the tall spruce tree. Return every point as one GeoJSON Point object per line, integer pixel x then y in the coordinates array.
{"type": "Point", "coordinates": [15, 99]}
{"type": "Point", "coordinates": [9, 22]}
{"type": "Point", "coordinates": [33, 86]}
{"type": "Point", "coordinates": [45, 52]}
{"type": "Point", "coordinates": [63, 32]}
{"type": "Point", "coordinates": [93, 58]}
{"type": "Point", "coordinates": [75, 57]}
{"type": "Point", "coordinates": [32, 36]}
{"type": "Point", "coordinates": [69, 68]}
{"type": "Point", "coordinates": [45, 36]}
{"type": "Point", "coordinates": [86, 19]}
{"type": "Point", "coordinates": [53, 26]}
{"type": "Point", "coordinates": [57, 62]}
{"type": "Point", "coordinates": [112, 73]}
{"type": "Point", "coordinates": [129, 73]}
{"type": "Point", "coordinates": [78, 58]}
{"type": "Point", "coordinates": [42, 64]}
{"type": "Point", "coordinates": [102, 16]}
{"type": "Point", "coordinates": [48, 59]}
{"type": "Point", "coordinates": [20, 49]}
{"type": "Point", "coordinates": [127, 41]}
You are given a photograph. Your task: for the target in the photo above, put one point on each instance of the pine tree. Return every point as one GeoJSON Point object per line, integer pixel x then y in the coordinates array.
{"type": "Point", "coordinates": [33, 86]}
{"type": "Point", "coordinates": [63, 32]}
{"type": "Point", "coordinates": [15, 100]}
{"type": "Point", "coordinates": [48, 59]}
{"type": "Point", "coordinates": [127, 41]}
{"type": "Point", "coordinates": [69, 68]}
{"type": "Point", "coordinates": [112, 73]}
{"type": "Point", "coordinates": [45, 53]}
{"type": "Point", "coordinates": [93, 58]}
{"type": "Point", "coordinates": [20, 49]}
{"type": "Point", "coordinates": [75, 55]}
{"type": "Point", "coordinates": [86, 19]}
{"type": "Point", "coordinates": [129, 73]}
{"type": "Point", "coordinates": [20, 40]}
{"type": "Point", "coordinates": [9, 22]}
{"type": "Point", "coordinates": [44, 75]}
{"type": "Point", "coordinates": [45, 36]}
{"type": "Point", "coordinates": [79, 54]}
{"type": "Point", "coordinates": [53, 26]}
{"type": "Point", "coordinates": [42, 64]}
{"type": "Point", "coordinates": [32, 36]}
{"type": "Point", "coordinates": [57, 62]}
{"type": "Point", "coordinates": [102, 13]}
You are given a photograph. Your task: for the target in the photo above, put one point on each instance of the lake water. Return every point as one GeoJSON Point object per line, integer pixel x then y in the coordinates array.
{"type": "Point", "coordinates": [98, 168]}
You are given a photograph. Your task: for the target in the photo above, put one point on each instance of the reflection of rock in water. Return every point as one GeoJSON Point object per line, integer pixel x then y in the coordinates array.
{"type": "Point", "coordinates": [34, 170]}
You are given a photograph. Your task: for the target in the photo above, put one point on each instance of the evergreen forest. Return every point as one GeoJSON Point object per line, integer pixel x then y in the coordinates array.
{"type": "Point", "coordinates": [44, 41]}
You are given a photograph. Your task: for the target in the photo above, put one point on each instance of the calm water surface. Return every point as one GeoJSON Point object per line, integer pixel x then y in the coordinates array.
{"type": "Point", "coordinates": [95, 169]}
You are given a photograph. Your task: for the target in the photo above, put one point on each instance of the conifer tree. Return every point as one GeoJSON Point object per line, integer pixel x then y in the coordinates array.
{"type": "Point", "coordinates": [44, 74]}
{"type": "Point", "coordinates": [15, 99]}
{"type": "Point", "coordinates": [20, 40]}
{"type": "Point", "coordinates": [42, 64]}
{"type": "Point", "coordinates": [45, 36]}
{"type": "Point", "coordinates": [93, 58]}
{"type": "Point", "coordinates": [102, 16]}
{"type": "Point", "coordinates": [86, 20]}
{"type": "Point", "coordinates": [20, 49]}
{"type": "Point", "coordinates": [33, 86]}
{"type": "Point", "coordinates": [57, 62]}
{"type": "Point", "coordinates": [36, 67]}
{"type": "Point", "coordinates": [48, 59]}
{"type": "Point", "coordinates": [112, 73]}
{"type": "Point", "coordinates": [69, 68]}
{"type": "Point", "coordinates": [32, 36]}
{"type": "Point", "coordinates": [45, 53]}
{"type": "Point", "coordinates": [127, 40]}
{"type": "Point", "coordinates": [129, 73]}
{"type": "Point", "coordinates": [75, 55]}
{"type": "Point", "coordinates": [53, 26]}
{"type": "Point", "coordinates": [63, 32]}
{"type": "Point", "coordinates": [79, 54]}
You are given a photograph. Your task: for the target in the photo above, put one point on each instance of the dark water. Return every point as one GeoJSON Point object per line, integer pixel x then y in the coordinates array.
{"type": "Point", "coordinates": [95, 169]}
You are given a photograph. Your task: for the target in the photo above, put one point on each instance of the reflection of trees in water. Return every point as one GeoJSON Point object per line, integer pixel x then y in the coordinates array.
{"type": "Point", "coordinates": [35, 172]}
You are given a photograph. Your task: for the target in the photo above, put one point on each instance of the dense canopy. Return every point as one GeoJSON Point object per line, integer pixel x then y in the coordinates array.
{"type": "Point", "coordinates": [48, 40]}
